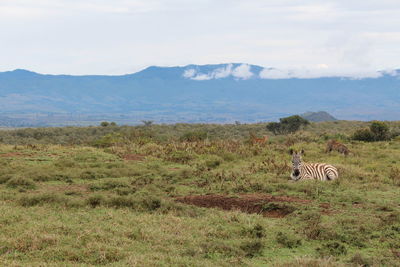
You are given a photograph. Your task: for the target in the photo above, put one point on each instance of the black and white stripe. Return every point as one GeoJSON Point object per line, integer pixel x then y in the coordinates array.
{"type": "Point", "coordinates": [318, 171]}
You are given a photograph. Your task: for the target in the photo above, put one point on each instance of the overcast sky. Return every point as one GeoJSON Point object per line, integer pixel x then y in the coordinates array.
{"type": "Point", "coordinates": [124, 36]}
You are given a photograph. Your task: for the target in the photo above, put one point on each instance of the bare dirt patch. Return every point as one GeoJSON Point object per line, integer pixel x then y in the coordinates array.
{"type": "Point", "coordinates": [134, 157]}
{"type": "Point", "coordinates": [267, 205]}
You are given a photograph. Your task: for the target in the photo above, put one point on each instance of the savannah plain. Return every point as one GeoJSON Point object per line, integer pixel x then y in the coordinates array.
{"type": "Point", "coordinates": [196, 195]}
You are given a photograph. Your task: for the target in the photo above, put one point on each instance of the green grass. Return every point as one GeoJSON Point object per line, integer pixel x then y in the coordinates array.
{"type": "Point", "coordinates": [78, 205]}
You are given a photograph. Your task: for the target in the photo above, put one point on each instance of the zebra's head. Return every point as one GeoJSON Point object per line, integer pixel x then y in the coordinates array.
{"type": "Point", "coordinates": [296, 163]}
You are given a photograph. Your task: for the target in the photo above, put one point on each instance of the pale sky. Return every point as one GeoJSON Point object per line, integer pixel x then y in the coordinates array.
{"type": "Point", "coordinates": [123, 36]}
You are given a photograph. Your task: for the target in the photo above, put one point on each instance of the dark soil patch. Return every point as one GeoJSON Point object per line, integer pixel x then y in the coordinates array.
{"type": "Point", "coordinates": [326, 209]}
{"type": "Point", "coordinates": [134, 157]}
{"type": "Point", "coordinates": [267, 205]}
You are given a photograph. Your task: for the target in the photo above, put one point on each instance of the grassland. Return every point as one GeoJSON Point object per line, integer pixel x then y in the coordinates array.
{"type": "Point", "coordinates": [107, 196]}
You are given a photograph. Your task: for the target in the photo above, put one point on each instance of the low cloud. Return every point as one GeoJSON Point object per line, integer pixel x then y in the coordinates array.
{"type": "Point", "coordinates": [242, 72]}
{"type": "Point", "coordinates": [201, 77]}
{"type": "Point", "coordinates": [321, 70]}
{"type": "Point", "coordinates": [189, 73]}
{"type": "Point", "coordinates": [223, 72]}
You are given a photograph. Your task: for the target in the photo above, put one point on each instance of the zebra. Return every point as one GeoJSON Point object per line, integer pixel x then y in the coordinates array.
{"type": "Point", "coordinates": [318, 171]}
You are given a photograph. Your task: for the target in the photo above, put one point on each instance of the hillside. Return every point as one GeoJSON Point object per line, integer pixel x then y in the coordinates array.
{"type": "Point", "coordinates": [208, 93]}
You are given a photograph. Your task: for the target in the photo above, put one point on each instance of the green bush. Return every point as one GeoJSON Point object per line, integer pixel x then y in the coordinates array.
{"type": "Point", "coordinates": [4, 178]}
{"type": "Point", "coordinates": [287, 240]}
{"type": "Point", "coordinates": [257, 231]}
{"type": "Point", "coordinates": [194, 136]}
{"type": "Point", "coordinates": [332, 249]}
{"type": "Point", "coordinates": [95, 200]}
{"type": "Point", "coordinates": [180, 157]}
{"type": "Point", "coordinates": [46, 198]}
{"type": "Point", "coordinates": [378, 131]}
{"type": "Point", "coordinates": [252, 248]}
{"type": "Point", "coordinates": [363, 135]}
{"type": "Point", "coordinates": [109, 140]}
{"type": "Point", "coordinates": [21, 182]}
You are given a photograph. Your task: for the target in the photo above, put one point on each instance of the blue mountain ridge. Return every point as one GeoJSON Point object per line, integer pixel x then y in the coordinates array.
{"type": "Point", "coordinates": [212, 91]}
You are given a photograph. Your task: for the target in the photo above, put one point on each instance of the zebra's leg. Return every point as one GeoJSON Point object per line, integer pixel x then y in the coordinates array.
{"type": "Point", "coordinates": [308, 177]}
{"type": "Point", "coordinates": [331, 176]}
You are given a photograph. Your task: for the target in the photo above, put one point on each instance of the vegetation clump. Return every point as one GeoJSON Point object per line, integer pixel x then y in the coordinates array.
{"type": "Point", "coordinates": [378, 131]}
{"type": "Point", "coordinates": [21, 182]}
{"type": "Point", "coordinates": [287, 125]}
{"type": "Point", "coordinates": [194, 136]}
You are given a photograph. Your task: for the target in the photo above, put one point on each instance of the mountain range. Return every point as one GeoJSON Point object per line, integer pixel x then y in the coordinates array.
{"type": "Point", "coordinates": [195, 93]}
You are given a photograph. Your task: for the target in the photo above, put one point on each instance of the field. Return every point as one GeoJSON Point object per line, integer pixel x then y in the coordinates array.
{"type": "Point", "coordinates": [195, 195]}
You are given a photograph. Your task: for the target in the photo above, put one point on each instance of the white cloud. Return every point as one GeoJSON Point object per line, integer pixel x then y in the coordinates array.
{"type": "Point", "coordinates": [202, 77]}
{"type": "Point", "coordinates": [189, 73]}
{"type": "Point", "coordinates": [395, 73]}
{"type": "Point", "coordinates": [320, 70]}
{"type": "Point", "coordinates": [222, 72]}
{"type": "Point", "coordinates": [242, 72]}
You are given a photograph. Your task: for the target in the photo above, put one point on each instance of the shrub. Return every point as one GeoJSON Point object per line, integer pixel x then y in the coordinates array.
{"type": "Point", "coordinates": [257, 231]}
{"type": "Point", "coordinates": [108, 140]}
{"type": "Point", "coordinates": [194, 136]}
{"type": "Point", "coordinates": [287, 240]}
{"type": "Point", "coordinates": [47, 198]}
{"type": "Point", "coordinates": [121, 202]}
{"type": "Point", "coordinates": [378, 131]}
{"type": "Point", "coordinates": [312, 228]}
{"type": "Point", "coordinates": [332, 249]}
{"type": "Point", "coordinates": [218, 247]}
{"type": "Point", "coordinates": [395, 175]}
{"type": "Point", "coordinates": [363, 135]}
{"type": "Point", "coordinates": [21, 182]}
{"type": "Point", "coordinates": [95, 200]}
{"type": "Point", "coordinates": [180, 157]}
{"type": "Point", "coordinates": [5, 178]}
{"type": "Point", "coordinates": [108, 185]}
{"type": "Point", "coordinates": [151, 204]}
{"type": "Point", "coordinates": [360, 260]}
{"type": "Point", "coordinates": [252, 248]}
{"type": "Point", "coordinates": [213, 162]}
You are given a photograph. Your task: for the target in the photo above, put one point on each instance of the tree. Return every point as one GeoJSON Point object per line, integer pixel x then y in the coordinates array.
{"type": "Point", "coordinates": [147, 123]}
{"type": "Point", "coordinates": [104, 124]}
{"type": "Point", "coordinates": [275, 127]}
{"type": "Point", "coordinates": [287, 125]}
{"type": "Point", "coordinates": [293, 123]}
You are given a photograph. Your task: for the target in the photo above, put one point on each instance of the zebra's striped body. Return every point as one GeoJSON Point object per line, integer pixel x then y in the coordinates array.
{"type": "Point", "coordinates": [318, 171]}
